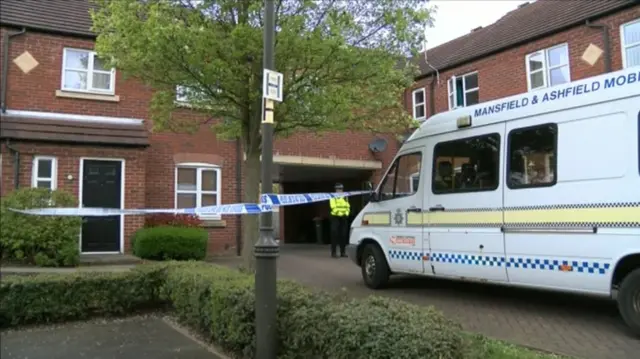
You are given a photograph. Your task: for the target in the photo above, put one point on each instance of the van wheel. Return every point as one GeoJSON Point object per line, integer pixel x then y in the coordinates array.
{"type": "Point", "coordinates": [374, 267]}
{"type": "Point", "coordinates": [629, 301]}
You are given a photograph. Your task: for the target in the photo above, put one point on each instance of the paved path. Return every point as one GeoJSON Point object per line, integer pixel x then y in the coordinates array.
{"type": "Point", "coordinates": [561, 323]}
{"type": "Point", "coordinates": [130, 338]}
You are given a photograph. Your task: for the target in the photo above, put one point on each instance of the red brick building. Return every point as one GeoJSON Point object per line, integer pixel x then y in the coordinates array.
{"type": "Point", "coordinates": [68, 123]}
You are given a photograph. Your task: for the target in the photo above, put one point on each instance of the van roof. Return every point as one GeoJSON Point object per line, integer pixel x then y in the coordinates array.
{"type": "Point", "coordinates": [602, 88]}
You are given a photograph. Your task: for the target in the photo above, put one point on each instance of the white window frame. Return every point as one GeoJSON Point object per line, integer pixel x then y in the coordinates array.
{"type": "Point", "coordinates": [198, 191]}
{"type": "Point", "coordinates": [546, 69]}
{"type": "Point", "coordinates": [453, 90]}
{"type": "Point", "coordinates": [54, 172]}
{"type": "Point", "coordinates": [423, 104]}
{"type": "Point", "coordinates": [623, 45]}
{"type": "Point", "coordinates": [90, 71]}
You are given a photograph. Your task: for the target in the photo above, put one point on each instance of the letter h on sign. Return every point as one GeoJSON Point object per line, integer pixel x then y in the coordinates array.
{"type": "Point", "coordinates": [272, 85]}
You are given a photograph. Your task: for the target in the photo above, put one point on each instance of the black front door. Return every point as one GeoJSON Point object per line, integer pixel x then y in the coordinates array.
{"type": "Point", "coordinates": [101, 187]}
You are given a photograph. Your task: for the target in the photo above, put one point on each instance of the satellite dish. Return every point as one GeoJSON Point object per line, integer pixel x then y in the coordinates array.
{"type": "Point", "coordinates": [378, 145]}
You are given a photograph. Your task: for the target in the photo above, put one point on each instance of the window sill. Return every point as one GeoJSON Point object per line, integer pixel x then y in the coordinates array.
{"type": "Point", "coordinates": [87, 96]}
{"type": "Point", "coordinates": [213, 223]}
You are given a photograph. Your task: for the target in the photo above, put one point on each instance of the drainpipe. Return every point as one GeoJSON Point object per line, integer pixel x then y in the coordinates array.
{"type": "Point", "coordinates": [605, 43]}
{"type": "Point", "coordinates": [6, 37]}
{"type": "Point", "coordinates": [238, 195]}
{"type": "Point", "coordinates": [16, 164]}
{"type": "Point", "coordinates": [5, 66]}
{"type": "Point", "coordinates": [432, 97]}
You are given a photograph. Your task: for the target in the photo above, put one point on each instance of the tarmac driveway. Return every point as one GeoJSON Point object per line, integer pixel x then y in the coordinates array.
{"type": "Point", "coordinates": [131, 338]}
{"type": "Point", "coordinates": [561, 323]}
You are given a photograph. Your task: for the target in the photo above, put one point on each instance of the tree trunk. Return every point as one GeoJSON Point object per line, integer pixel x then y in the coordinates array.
{"type": "Point", "coordinates": [250, 228]}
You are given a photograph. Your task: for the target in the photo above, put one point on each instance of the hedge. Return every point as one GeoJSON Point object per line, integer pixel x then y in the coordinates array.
{"type": "Point", "coordinates": [219, 303]}
{"type": "Point", "coordinates": [40, 240]}
{"type": "Point", "coordinates": [168, 242]}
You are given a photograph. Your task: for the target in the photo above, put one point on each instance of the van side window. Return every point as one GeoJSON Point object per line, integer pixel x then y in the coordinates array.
{"type": "Point", "coordinates": [403, 178]}
{"type": "Point", "coordinates": [533, 153]}
{"type": "Point", "coordinates": [466, 165]}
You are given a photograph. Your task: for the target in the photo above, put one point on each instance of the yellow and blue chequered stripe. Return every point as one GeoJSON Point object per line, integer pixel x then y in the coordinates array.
{"type": "Point", "coordinates": [603, 215]}
{"type": "Point", "coordinates": [532, 263]}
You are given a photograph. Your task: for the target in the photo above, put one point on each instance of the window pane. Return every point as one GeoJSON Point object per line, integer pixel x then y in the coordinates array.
{"type": "Point", "coordinates": [472, 97]}
{"type": "Point", "coordinates": [98, 64]}
{"type": "Point", "coordinates": [76, 59]}
{"type": "Point", "coordinates": [632, 33]}
{"type": "Point", "coordinates": [471, 81]}
{"type": "Point", "coordinates": [633, 56]}
{"type": "Point", "coordinates": [187, 179]}
{"type": "Point", "coordinates": [418, 97]}
{"type": "Point", "coordinates": [459, 93]}
{"type": "Point", "coordinates": [535, 62]}
{"type": "Point", "coordinates": [452, 102]}
{"type": "Point", "coordinates": [407, 183]}
{"type": "Point", "coordinates": [386, 190]}
{"type": "Point", "coordinates": [44, 184]}
{"type": "Point", "coordinates": [186, 200]}
{"type": "Point", "coordinates": [404, 168]}
{"type": "Point", "coordinates": [537, 80]}
{"type": "Point", "coordinates": [101, 81]}
{"type": "Point", "coordinates": [532, 156]}
{"type": "Point", "coordinates": [209, 200]}
{"type": "Point", "coordinates": [559, 75]}
{"type": "Point", "coordinates": [75, 80]}
{"type": "Point", "coordinates": [44, 168]}
{"type": "Point", "coordinates": [558, 56]}
{"type": "Point", "coordinates": [420, 113]}
{"type": "Point", "coordinates": [209, 180]}
{"type": "Point", "coordinates": [467, 165]}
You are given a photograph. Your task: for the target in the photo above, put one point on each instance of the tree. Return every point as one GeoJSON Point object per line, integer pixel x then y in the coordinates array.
{"type": "Point", "coordinates": [344, 65]}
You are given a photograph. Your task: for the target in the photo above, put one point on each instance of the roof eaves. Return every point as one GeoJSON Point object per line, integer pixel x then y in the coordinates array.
{"type": "Point", "coordinates": [520, 43]}
{"type": "Point", "coordinates": [50, 30]}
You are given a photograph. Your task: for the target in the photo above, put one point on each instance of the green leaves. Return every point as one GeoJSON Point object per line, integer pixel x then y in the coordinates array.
{"type": "Point", "coordinates": [339, 58]}
{"type": "Point", "coordinates": [40, 240]}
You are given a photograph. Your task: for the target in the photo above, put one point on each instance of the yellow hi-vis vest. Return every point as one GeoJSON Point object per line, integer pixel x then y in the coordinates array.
{"type": "Point", "coordinates": [339, 206]}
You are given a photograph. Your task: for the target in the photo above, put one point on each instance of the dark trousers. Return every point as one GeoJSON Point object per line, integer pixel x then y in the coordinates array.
{"type": "Point", "coordinates": [339, 233]}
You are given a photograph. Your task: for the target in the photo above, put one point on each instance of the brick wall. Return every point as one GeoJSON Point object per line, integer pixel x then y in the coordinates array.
{"type": "Point", "coordinates": [505, 75]}
{"type": "Point", "coordinates": [68, 160]}
{"type": "Point", "coordinates": [36, 91]}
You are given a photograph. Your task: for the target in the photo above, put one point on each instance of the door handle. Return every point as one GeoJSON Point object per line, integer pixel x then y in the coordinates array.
{"type": "Point", "coordinates": [436, 208]}
{"type": "Point", "coordinates": [414, 209]}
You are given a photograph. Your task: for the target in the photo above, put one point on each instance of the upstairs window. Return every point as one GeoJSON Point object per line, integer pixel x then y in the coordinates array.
{"type": "Point", "coordinates": [463, 91]}
{"type": "Point", "coordinates": [419, 105]}
{"type": "Point", "coordinates": [43, 174]}
{"type": "Point", "coordinates": [84, 71]}
{"type": "Point", "coordinates": [630, 40]}
{"type": "Point", "coordinates": [548, 67]}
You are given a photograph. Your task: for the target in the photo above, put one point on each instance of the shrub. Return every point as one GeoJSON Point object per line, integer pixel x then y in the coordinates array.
{"type": "Point", "coordinates": [175, 220]}
{"type": "Point", "coordinates": [166, 242]}
{"type": "Point", "coordinates": [49, 298]}
{"type": "Point", "coordinates": [219, 303]}
{"type": "Point", "coordinates": [40, 240]}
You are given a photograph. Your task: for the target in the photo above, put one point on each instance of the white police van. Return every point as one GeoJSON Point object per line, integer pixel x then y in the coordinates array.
{"type": "Point", "coordinates": [536, 190]}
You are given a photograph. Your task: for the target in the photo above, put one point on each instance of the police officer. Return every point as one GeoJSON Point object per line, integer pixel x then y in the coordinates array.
{"type": "Point", "coordinates": [340, 210]}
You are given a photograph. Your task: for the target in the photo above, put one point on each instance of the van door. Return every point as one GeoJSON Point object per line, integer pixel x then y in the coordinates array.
{"type": "Point", "coordinates": [465, 204]}
{"type": "Point", "coordinates": [399, 211]}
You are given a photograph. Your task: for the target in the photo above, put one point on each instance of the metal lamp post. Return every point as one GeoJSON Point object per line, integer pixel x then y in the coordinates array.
{"type": "Point", "coordinates": [266, 250]}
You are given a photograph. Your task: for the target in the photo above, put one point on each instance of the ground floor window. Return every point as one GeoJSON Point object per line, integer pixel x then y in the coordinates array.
{"type": "Point", "coordinates": [43, 174]}
{"type": "Point", "coordinates": [197, 185]}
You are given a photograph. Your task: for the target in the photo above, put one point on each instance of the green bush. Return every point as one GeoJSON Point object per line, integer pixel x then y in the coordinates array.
{"type": "Point", "coordinates": [168, 242]}
{"type": "Point", "coordinates": [219, 303]}
{"type": "Point", "coordinates": [50, 298]}
{"type": "Point", "coordinates": [40, 240]}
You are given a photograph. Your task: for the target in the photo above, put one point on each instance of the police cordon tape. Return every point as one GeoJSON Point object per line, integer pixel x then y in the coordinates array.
{"type": "Point", "coordinates": [268, 201]}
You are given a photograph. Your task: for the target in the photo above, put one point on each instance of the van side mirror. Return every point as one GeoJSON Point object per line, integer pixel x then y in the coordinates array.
{"type": "Point", "coordinates": [374, 197]}
{"type": "Point", "coordinates": [368, 186]}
